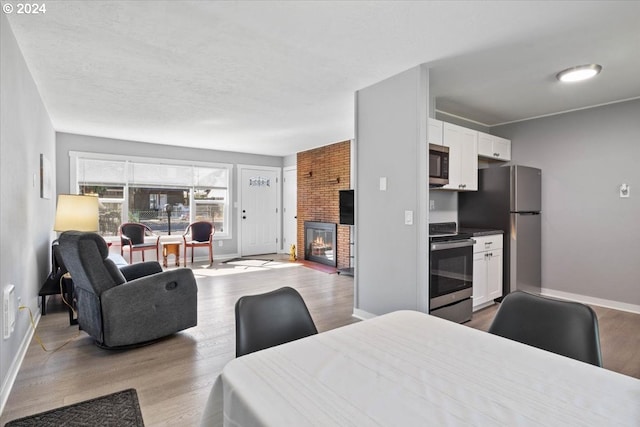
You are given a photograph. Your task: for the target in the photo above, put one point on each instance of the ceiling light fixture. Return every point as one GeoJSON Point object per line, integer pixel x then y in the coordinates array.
{"type": "Point", "coordinates": [579, 73]}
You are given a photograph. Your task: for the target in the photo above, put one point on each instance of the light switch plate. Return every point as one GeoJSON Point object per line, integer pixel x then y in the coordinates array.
{"type": "Point", "coordinates": [408, 217]}
{"type": "Point", "coordinates": [383, 183]}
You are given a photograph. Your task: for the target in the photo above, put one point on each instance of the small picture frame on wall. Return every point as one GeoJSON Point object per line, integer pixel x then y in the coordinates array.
{"type": "Point", "coordinates": [45, 177]}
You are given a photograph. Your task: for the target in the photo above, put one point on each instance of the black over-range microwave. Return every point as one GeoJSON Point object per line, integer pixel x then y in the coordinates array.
{"type": "Point", "coordinates": [438, 165]}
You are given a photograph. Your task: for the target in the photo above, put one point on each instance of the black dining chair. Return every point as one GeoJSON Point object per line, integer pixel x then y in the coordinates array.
{"type": "Point", "coordinates": [562, 327]}
{"type": "Point", "coordinates": [271, 319]}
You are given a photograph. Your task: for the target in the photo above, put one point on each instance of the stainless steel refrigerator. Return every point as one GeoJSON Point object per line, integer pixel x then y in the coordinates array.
{"type": "Point", "coordinates": [509, 199]}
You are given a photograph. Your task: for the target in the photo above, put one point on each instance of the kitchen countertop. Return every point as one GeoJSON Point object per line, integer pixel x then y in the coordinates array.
{"type": "Point", "coordinates": [477, 232]}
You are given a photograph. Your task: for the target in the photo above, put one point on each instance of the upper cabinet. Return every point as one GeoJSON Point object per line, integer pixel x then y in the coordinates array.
{"type": "Point", "coordinates": [463, 157]}
{"type": "Point", "coordinates": [434, 132]}
{"type": "Point", "coordinates": [494, 147]}
{"type": "Point", "coordinates": [465, 146]}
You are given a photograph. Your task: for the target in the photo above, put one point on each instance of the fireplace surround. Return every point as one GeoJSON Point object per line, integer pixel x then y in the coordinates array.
{"type": "Point", "coordinates": [320, 242]}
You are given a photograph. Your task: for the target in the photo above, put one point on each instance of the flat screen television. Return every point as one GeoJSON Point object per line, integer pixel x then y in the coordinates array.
{"type": "Point", "coordinates": [346, 207]}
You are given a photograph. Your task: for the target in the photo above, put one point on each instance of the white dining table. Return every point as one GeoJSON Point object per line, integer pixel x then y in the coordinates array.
{"type": "Point", "coordinates": [408, 368]}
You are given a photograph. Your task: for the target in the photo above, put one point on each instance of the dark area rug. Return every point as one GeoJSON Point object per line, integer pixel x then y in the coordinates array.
{"type": "Point", "coordinates": [119, 409]}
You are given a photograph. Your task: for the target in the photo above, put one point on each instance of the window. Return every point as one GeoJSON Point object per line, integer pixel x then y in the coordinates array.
{"type": "Point", "coordinates": [165, 195]}
{"type": "Point", "coordinates": [210, 206]}
{"type": "Point", "coordinates": [111, 200]}
{"type": "Point", "coordinates": [148, 205]}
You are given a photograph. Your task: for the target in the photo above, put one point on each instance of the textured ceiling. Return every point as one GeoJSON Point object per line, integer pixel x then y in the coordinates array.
{"type": "Point", "coordinates": [279, 77]}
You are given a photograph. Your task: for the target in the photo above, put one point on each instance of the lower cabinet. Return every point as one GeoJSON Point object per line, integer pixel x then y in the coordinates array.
{"type": "Point", "coordinates": [487, 270]}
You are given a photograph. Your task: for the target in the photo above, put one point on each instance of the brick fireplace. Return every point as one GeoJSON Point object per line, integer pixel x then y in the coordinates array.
{"type": "Point", "coordinates": [322, 172]}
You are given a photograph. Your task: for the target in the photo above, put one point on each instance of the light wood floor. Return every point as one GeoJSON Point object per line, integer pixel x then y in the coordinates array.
{"type": "Point", "coordinates": [173, 377]}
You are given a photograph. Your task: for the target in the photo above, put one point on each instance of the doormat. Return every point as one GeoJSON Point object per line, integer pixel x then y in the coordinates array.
{"type": "Point", "coordinates": [248, 262]}
{"type": "Point", "coordinates": [119, 409]}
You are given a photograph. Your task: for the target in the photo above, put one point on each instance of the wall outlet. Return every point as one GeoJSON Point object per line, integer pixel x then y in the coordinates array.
{"type": "Point", "coordinates": [9, 310]}
{"type": "Point", "coordinates": [220, 243]}
{"type": "Point", "coordinates": [432, 205]}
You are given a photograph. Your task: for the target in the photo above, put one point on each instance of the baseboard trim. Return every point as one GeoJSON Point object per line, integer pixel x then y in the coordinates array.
{"type": "Point", "coordinates": [12, 374]}
{"type": "Point", "coordinates": [601, 302]}
{"type": "Point", "coordinates": [362, 315]}
{"type": "Point", "coordinates": [483, 305]}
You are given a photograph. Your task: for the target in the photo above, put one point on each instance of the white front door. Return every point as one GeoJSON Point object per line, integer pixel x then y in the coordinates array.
{"type": "Point", "coordinates": [259, 210]}
{"type": "Point", "coordinates": [289, 208]}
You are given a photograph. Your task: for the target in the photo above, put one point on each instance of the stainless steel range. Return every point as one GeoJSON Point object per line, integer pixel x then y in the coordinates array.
{"type": "Point", "coordinates": [450, 272]}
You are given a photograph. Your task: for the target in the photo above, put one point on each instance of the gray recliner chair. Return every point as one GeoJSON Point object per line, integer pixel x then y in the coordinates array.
{"type": "Point", "coordinates": [128, 306]}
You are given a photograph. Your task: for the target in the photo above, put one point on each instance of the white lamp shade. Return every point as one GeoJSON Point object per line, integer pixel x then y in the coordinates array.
{"type": "Point", "coordinates": [75, 212]}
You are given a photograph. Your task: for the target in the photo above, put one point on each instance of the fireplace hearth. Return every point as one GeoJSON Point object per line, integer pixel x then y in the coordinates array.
{"type": "Point", "coordinates": [320, 242]}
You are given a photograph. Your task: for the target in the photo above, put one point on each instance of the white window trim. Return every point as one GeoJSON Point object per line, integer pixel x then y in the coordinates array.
{"type": "Point", "coordinates": [73, 179]}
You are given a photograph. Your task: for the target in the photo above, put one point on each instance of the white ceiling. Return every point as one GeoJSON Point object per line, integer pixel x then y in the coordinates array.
{"type": "Point", "coordinates": [279, 77]}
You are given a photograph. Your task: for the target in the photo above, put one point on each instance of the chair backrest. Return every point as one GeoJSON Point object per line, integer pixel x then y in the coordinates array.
{"type": "Point", "coordinates": [271, 319]}
{"type": "Point", "coordinates": [85, 255]}
{"type": "Point", "coordinates": [134, 232]}
{"type": "Point", "coordinates": [562, 327]}
{"type": "Point", "coordinates": [200, 231]}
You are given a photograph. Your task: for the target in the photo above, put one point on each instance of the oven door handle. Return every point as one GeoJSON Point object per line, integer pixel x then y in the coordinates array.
{"type": "Point", "coordinates": [440, 246]}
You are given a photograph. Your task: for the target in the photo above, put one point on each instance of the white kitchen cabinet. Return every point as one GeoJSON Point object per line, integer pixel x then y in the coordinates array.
{"type": "Point", "coordinates": [487, 270]}
{"type": "Point", "coordinates": [494, 274]}
{"type": "Point", "coordinates": [434, 131]}
{"type": "Point", "coordinates": [463, 157]}
{"type": "Point", "coordinates": [479, 278]}
{"type": "Point", "coordinates": [494, 147]}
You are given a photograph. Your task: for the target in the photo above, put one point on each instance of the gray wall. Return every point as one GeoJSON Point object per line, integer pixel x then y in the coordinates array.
{"type": "Point", "coordinates": [391, 257]}
{"type": "Point", "coordinates": [26, 220]}
{"type": "Point", "coordinates": [590, 236]}
{"type": "Point", "coordinates": [71, 142]}
{"type": "Point", "coordinates": [291, 160]}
